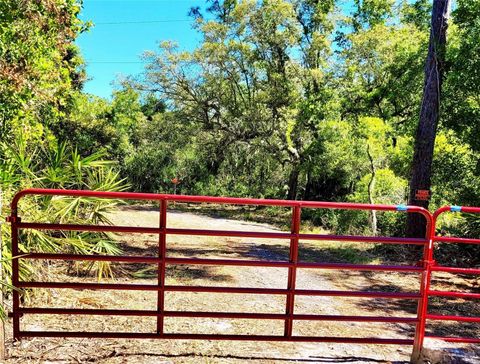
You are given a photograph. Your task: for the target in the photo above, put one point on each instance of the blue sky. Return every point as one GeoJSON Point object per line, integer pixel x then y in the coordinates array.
{"type": "Point", "coordinates": [134, 26]}
{"type": "Point", "coordinates": [124, 29]}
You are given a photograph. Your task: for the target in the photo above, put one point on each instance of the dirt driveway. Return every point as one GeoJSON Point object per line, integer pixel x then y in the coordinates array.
{"type": "Point", "coordinates": [40, 350]}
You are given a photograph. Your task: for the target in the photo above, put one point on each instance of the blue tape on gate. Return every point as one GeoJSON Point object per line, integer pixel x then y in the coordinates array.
{"type": "Point", "coordinates": [455, 208]}
{"type": "Point", "coordinates": [402, 208]}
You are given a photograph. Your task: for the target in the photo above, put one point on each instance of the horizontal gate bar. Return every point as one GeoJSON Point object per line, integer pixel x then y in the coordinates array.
{"type": "Point", "coordinates": [302, 292]}
{"type": "Point", "coordinates": [394, 295]}
{"type": "Point", "coordinates": [210, 199]}
{"type": "Point", "coordinates": [229, 233]}
{"type": "Point", "coordinates": [245, 290]}
{"type": "Point", "coordinates": [87, 227]}
{"type": "Point", "coordinates": [438, 268]}
{"type": "Point", "coordinates": [76, 285]}
{"type": "Point", "coordinates": [454, 294]}
{"type": "Point", "coordinates": [453, 318]}
{"type": "Point", "coordinates": [103, 258]}
{"type": "Point", "coordinates": [156, 260]}
{"type": "Point", "coordinates": [344, 238]}
{"type": "Point", "coordinates": [153, 230]}
{"type": "Point", "coordinates": [454, 240]}
{"type": "Point", "coordinates": [226, 315]}
{"type": "Point", "coordinates": [361, 267]}
{"type": "Point", "coordinates": [151, 287]}
{"type": "Point", "coordinates": [238, 262]}
{"type": "Point", "coordinates": [466, 340]}
{"type": "Point", "coordinates": [128, 335]}
{"type": "Point", "coordinates": [365, 239]}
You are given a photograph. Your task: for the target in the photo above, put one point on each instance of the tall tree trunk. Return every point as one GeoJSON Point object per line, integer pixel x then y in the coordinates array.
{"type": "Point", "coordinates": [429, 114]}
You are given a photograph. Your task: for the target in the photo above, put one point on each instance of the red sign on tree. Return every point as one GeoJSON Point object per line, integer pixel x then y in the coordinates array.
{"type": "Point", "coordinates": [422, 195]}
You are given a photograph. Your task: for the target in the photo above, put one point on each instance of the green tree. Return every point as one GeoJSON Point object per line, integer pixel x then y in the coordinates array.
{"type": "Point", "coordinates": [381, 77]}
{"type": "Point", "coordinates": [373, 131]}
{"type": "Point", "coordinates": [244, 84]}
{"type": "Point", "coordinates": [369, 13]}
{"type": "Point", "coordinates": [39, 65]}
{"type": "Point", "coordinates": [58, 166]}
{"type": "Point", "coordinates": [167, 149]}
{"type": "Point", "coordinates": [89, 126]}
{"type": "Point", "coordinates": [461, 104]}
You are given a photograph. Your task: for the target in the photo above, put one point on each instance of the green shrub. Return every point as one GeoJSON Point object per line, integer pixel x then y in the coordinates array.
{"type": "Point", "coordinates": [58, 167]}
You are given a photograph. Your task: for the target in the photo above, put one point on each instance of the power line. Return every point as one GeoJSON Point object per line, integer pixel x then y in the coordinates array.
{"type": "Point", "coordinates": [114, 62]}
{"type": "Point", "coordinates": [143, 22]}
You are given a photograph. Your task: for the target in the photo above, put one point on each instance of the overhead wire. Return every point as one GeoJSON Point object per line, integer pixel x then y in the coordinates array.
{"type": "Point", "coordinates": [134, 22]}
{"type": "Point", "coordinates": [142, 22]}
{"type": "Point", "coordinates": [116, 62]}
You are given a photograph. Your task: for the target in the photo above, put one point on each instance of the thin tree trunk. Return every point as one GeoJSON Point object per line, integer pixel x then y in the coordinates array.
{"type": "Point", "coordinates": [429, 114]}
{"type": "Point", "coordinates": [371, 188]}
{"type": "Point", "coordinates": [293, 183]}
{"type": "Point", "coordinates": [308, 187]}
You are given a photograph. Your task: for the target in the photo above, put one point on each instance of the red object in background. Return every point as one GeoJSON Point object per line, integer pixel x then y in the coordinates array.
{"type": "Point", "coordinates": [422, 195]}
{"type": "Point", "coordinates": [175, 181]}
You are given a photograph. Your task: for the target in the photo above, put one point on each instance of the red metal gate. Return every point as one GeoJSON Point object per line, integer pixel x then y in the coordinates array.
{"type": "Point", "coordinates": [290, 291]}
{"type": "Point", "coordinates": [432, 267]}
